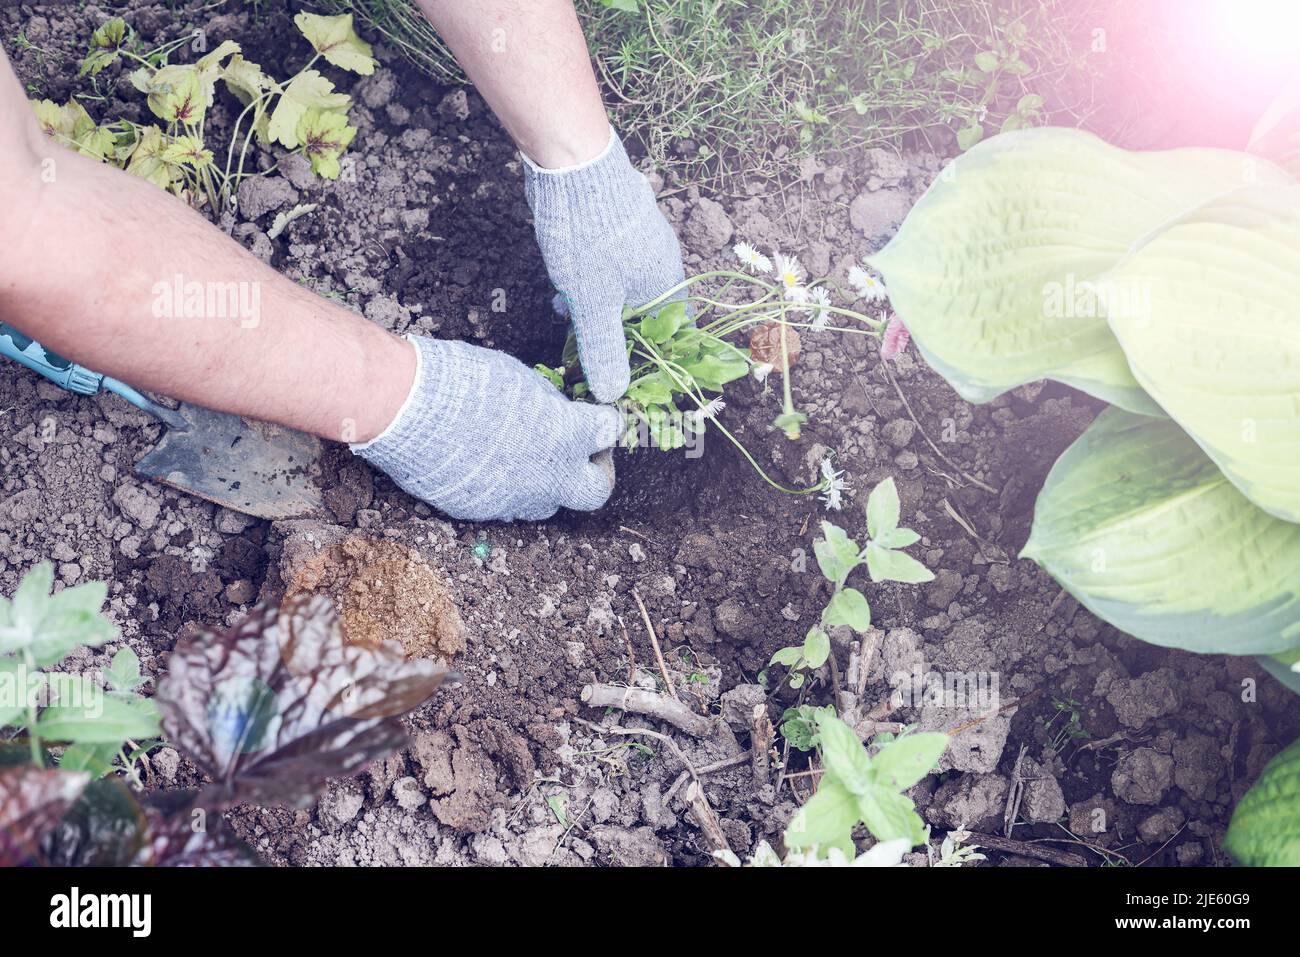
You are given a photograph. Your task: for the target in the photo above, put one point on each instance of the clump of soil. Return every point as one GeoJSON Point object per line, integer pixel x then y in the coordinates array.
{"type": "Point", "coordinates": [385, 591]}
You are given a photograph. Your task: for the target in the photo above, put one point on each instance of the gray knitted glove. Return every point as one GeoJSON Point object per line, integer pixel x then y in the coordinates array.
{"type": "Point", "coordinates": [606, 245]}
{"type": "Point", "coordinates": [483, 437]}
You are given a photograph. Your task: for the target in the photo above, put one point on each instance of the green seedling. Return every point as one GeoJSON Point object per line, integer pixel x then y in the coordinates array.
{"type": "Point", "coordinates": [837, 557]}
{"type": "Point", "coordinates": [302, 113]}
{"type": "Point", "coordinates": [687, 345]}
{"type": "Point", "coordinates": [37, 631]}
{"type": "Point", "coordinates": [862, 785]}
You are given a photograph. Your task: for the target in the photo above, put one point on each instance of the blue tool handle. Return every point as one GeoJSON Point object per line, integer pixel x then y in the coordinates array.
{"type": "Point", "coordinates": [60, 371]}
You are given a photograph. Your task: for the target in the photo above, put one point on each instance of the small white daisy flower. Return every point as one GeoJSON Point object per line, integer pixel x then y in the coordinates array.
{"type": "Point", "coordinates": [819, 300]}
{"type": "Point", "coordinates": [799, 296]}
{"type": "Point", "coordinates": [761, 371]}
{"type": "Point", "coordinates": [867, 286]}
{"type": "Point", "coordinates": [833, 485]}
{"type": "Point", "coordinates": [788, 272]}
{"type": "Point", "coordinates": [751, 257]}
{"type": "Point", "coordinates": [712, 408]}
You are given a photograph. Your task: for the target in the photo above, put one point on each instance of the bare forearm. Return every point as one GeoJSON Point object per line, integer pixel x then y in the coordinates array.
{"type": "Point", "coordinates": [93, 269]}
{"type": "Point", "coordinates": [529, 60]}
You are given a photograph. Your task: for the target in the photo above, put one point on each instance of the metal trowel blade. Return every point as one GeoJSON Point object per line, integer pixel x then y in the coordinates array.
{"type": "Point", "coordinates": [252, 467]}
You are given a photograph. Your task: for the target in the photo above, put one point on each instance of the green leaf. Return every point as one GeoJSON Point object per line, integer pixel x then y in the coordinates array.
{"type": "Point", "coordinates": [843, 754]}
{"type": "Point", "coordinates": [1137, 524]}
{"type": "Point", "coordinates": [898, 538]}
{"type": "Point", "coordinates": [147, 161]}
{"type": "Point", "coordinates": [654, 388]}
{"type": "Point", "coordinates": [790, 657]}
{"type": "Point", "coordinates": [180, 93]}
{"type": "Point", "coordinates": [98, 759]}
{"type": "Point", "coordinates": [837, 554]}
{"type": "Point", "coordinates": [887, 565]}
{"type": "Point", "coordinates": [1265, 827]}
{"type": "Point", "coordinates": [891, 816]}
{"type": "Point", "coordinates": [994, 269]}
{"type": "Point", "coordinates": [661, 326]}
{"type": "Point", "coordinates": [987, 61]}
{"type": "Point", "coordinates": [105, 43]}
{"type": "Point", "coordinates": [969, 136]}
{"type": "Point", "coordinates": [1282, 668]}
{"type": "Point", "coordinates": [848, 607]}
{"type": "Point", "coordinates": [1208, 314]}
{"type": "Point", "coordinates": [124, 672]}
{"type": "Point", "coordinates": [13, 691]}
{"type": "Point", "coordinates": [827, 819]}
{"type": "Point", "coordinates": [882, 509]}
{"type": "Point", "coordinates": [324, 135]}
{"type": "Point", "coordinates": [713, 372]}
{"type": "Point", "coordinates": [334, 39]}
{"type": "Point", "coordinates": [48, 627]}
{"type": "Point", "coordinates": [111, 719]}
{"type": "Point", "coordinates": [306, 90]}
{"type": "Point", "coordinates": [816, 647]}
{"type": "Point", "coordinates": [791, 423]}
{"type": "Point", "coordinates": [904, 761]}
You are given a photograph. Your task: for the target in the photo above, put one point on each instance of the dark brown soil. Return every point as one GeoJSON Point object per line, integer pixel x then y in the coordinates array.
{"type": "Point", "coordinates": [431, 235]}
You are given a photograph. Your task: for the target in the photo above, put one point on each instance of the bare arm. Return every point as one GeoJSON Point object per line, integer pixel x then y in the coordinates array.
{"type": "Point", "coordinates": [529, 60]}
{"type": "Point", "coordinates": [85, 247]}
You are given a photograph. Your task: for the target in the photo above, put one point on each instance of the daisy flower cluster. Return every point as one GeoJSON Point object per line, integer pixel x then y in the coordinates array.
{"type": "Point", "coordinates": [814, 301]}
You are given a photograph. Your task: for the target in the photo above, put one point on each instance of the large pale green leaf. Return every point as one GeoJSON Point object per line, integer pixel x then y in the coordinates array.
{"type": "Point", "coordinates": [1213, 334]}
{"type": "Point", "coordinates": [992, 271]}
{"type": "Point", "coordinates": [1283, 668]}
{"type": "Point", "coordinates": [1265, 828]}
{"type": "Point", "coordinates": [1277, 134]}
{"type": "Point", "coordinates": [1137, 524]}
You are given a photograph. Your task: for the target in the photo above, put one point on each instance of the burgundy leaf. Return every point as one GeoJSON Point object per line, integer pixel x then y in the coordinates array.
{"type": "Point", "coordinates": [32, 802]}
{"type": "Point", "coordinates": [273, 707]}
{"type": "Point", "coordinates": [182, 840]}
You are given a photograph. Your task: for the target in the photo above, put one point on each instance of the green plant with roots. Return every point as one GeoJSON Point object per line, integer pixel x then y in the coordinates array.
{"type": "Point", "coordinates": [1179, 307]}
{"type": "Point", "coordinates": [105, 729]}
{"type": "Point", "coordinates": [837, 558]}
{"type": "Point", "coordinates": [714, 328]}
{"type": "Point", "coordinates": [302, 113]}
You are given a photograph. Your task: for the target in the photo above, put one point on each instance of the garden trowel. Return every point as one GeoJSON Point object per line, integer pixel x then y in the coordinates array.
{"type": "Point", "coordinates": [249, 466]}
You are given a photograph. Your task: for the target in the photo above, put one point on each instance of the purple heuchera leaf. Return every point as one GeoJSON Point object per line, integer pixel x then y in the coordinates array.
{"type": "Point", "coordinates": [895, 339]}
{"type": "Point", "coordinates": [273, 707]}
{"type": "Point", "coordinates": [32, 802]}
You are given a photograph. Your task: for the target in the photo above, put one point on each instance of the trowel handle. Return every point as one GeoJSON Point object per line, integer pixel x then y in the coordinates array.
{"type": "Point", "coordinates": [75, 378]}
{"type": "Point", "coordinates": [60, 371]}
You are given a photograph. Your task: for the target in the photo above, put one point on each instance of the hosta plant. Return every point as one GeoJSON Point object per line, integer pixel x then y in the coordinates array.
{"type": "Point", "coordinates": [1168, 284]}
{"type": "Point", "coordinates": [689, 344]}
{"type": "Point", "coordinates": [838, 556]}
{"type": "Point", "coordinates": [303, 112]}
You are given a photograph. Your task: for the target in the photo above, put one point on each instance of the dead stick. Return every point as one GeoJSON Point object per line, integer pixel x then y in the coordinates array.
{"type": "Point", "coordinates": [705, 819]}
{"type": "Point", "coordinates": [1027, 849]}
{"type": "Point", "coordinates": [761, 735]}
{"type": "Point", "coordinates": [705, 769]}
{"type": "Point", "coordinates": [654, 642]}
{"type": "Point", "coordinates": [649, 703]}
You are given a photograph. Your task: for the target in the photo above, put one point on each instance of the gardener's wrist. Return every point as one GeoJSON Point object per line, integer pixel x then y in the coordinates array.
{"type": "Point", "coordinates": [387, 389]}
{"type": "Point", "coordinates": [572, 147]}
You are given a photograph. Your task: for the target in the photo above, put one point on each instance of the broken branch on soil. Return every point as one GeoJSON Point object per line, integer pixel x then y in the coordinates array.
{"type": "Point", "coordinates": [1028, 849]}
{"type": "Point", "coordinates": [649, 703]}
{"type": "Point", "coordinates": [654, 642]}
{"type": "Point", "coordinates": [761, 736]}
{"type": "Point", "coordinates": [705, 819]}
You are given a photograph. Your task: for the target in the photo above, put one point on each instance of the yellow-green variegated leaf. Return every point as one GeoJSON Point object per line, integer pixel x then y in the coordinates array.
{"type": "Point", "coordinates": [1141, 527]}
{"type": "Point", "coordinates": [1210, 321]}
{"type": "Point", "coordinates": [1265, 827]}
{"type": "Point", "coordinates": [992, 269]}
